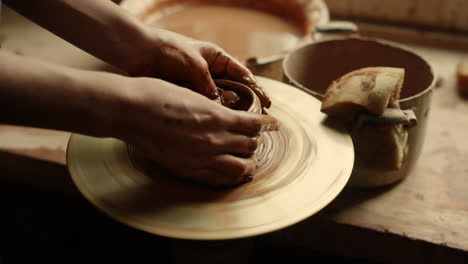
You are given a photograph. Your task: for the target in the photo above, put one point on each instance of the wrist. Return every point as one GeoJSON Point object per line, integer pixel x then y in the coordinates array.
{"type": "Point", "coordinates": [104, 101]}
{"type": "Point", "coordinates": [129, 44]}
{"type": "Point", "coordinates": [132, 44]}
{"type": "Point", "coordinates": [146, 51]}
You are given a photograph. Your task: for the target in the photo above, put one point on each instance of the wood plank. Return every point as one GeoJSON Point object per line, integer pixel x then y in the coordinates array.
{"type": "Point", "coordinates": [319, 233]}
{"type": "Point", "coordinates": [416, 36]}
{"type": "Point", "coordinates": [435, 14]}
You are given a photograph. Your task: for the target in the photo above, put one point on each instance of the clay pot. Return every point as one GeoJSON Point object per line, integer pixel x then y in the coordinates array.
{"type": "Point", "coordinates": [313, 67]}
{"type": "Point", "coordinates": [248, 101]}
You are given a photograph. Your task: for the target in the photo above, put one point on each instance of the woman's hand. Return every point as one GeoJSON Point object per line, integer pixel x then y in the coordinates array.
{"type": "Point", "coordinates": [190, 63]}
{"type": "Point", "coordinates": [105, 30]}
{"type": "Point", "coordinates": [181, 130]}
{"type": "Point", "coordinates": [188, 134]}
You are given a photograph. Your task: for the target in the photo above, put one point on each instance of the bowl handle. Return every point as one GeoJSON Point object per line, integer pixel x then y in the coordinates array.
{"type": "Point", "coordinates": [335, 29]}
{"type": "Point", "coordinates": [391, 116]}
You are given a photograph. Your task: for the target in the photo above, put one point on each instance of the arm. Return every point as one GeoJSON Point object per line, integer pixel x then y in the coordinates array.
{"type": "Point", "coordinates": [105, 30]}
{"type": "Point", "coordinates": [99, 27]}
{"type": "Point", "coordinates": [157, 117]}
{"type": "Point", "coordinates": [45, 95]}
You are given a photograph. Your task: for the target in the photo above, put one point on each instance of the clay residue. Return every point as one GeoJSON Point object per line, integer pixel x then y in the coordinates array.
{"type": "Point", "coordinates": [368, 83]}
{"type": "Point", "coordinates": [229, 98]}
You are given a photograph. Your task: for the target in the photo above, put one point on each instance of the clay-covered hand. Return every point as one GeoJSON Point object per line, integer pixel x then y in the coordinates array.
{"type": "Point", "coordinates": [108, 32]}
{"type": "Point", "coordinates": [181, 130]}
{"type": "Point", "coordinates": [190, 135]}
{"type": "Point", "coordinates": [191, 63]}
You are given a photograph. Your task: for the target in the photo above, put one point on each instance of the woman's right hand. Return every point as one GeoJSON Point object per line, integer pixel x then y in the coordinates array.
{"type": "Point", "coordinates": [188, 134]}
{"type": "Point", "coordinates": [181, 130]}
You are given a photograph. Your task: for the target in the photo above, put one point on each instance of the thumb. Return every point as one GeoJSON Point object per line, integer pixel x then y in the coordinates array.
{"type": "Point", "coordinates": [202, 81]}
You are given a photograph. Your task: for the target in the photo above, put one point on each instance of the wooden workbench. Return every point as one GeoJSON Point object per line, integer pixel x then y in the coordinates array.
{"type": "Point", "coordinates": [423, 218]}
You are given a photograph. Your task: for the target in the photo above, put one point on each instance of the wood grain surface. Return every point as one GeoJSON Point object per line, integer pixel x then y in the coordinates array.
{"type": "Point", "coordinates": [417, 36]}
{"type": "Point", "coordinates": [447, 14]}
{"type": "Point", "coordinates": [424, 216]}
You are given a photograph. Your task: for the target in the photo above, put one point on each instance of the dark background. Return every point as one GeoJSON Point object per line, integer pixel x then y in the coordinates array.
{"type": "Point", "coordinates": [39, 226]}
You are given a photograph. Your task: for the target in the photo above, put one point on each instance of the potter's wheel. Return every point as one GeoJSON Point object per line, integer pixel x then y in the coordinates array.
{"type": "Point", "coordinates": [303, 167]}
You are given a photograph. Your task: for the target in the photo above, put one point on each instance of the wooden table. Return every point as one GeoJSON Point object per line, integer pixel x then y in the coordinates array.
{"type": "Point", "coordinates": [423, 218]}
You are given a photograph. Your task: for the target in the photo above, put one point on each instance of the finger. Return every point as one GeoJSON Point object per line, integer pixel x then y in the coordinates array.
{"type": "Point", "coordinates": [238, 72]}
{"type": "Point", "coordinates": [225, 171]}
{"type": "Point", "coordinates": [221, 63]}
{"type": "Point", "coordinates": [201, 79]}
{"type": "Point", "coordinates": [218, 65]}
{"type": "Point", "coordinates": [258, 90]}
{"type": "Point", "coordinates": [224, 65]}
{"type": "Point", "coordinates": [252, 124]}
{"type": "Point", "coordinates": [225, 142]}
{"type": "Point", "coordinates": [238, 144]}
{"type": "Point", "coordinates": [233, 167]}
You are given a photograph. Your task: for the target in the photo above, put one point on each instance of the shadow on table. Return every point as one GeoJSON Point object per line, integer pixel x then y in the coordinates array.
{"type": "Point", "coordinates": [351, 197]}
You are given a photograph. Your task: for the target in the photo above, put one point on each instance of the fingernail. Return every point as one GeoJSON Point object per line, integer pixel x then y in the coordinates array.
{"type": "Point", "coordinates": [247, 179]}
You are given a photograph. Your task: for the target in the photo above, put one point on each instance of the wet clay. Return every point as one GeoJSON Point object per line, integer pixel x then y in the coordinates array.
{"type": "Point", "coordinates": [229, 98]}
{"type": "Point", "coordinates": [242, 32]}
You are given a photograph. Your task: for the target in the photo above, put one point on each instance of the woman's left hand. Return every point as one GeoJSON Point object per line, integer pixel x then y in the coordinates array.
{"type": "Point", "coordinates": [191, 63]}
